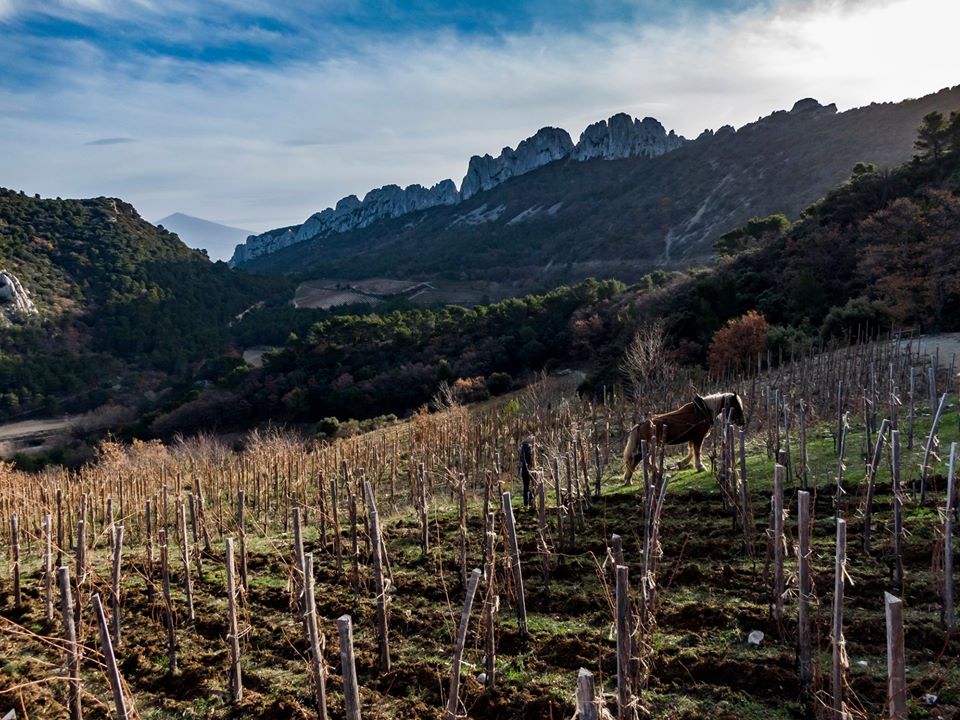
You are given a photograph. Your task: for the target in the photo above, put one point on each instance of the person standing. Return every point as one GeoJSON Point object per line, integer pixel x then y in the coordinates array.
{"type": "Point", "coordinates": [527, 465]}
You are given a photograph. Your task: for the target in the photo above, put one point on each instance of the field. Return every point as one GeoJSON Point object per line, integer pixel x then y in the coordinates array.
{"type": "Point", "coordinates": [325, 293]}
{"type": "Point", "coordinates": [692, 653]}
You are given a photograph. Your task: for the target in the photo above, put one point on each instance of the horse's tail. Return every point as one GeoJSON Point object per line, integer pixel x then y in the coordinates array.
{"type": "Point", "coordinates": [629, 456]}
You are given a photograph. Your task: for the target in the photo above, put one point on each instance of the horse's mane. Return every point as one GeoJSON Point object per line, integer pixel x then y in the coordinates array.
{"type": "Point", "coordinates": [715, 401]}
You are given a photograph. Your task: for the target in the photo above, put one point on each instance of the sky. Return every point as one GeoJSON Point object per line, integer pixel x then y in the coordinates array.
{"type": "Point", "coordinates": [257, 113]}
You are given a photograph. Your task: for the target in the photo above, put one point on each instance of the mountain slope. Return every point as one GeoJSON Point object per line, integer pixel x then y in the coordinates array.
{"type": "Point", "coordinates": [620, 137]}
{"type": "Point", "coordinates": [877, 252]}
{"type": "Point", "coordinates": [622, 218]}
{"type": "Point", "coordinates": [218, 240]}
{"type": "Point", "coordinates": [114, 296]}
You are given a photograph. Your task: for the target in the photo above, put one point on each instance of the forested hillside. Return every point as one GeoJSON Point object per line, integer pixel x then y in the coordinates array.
{"type": "Point", "coordinates": [112, 291]}
{"type": "Point", "coordinates": [124, 307]}
{"type": "Point", "coordinates": [878, 252]}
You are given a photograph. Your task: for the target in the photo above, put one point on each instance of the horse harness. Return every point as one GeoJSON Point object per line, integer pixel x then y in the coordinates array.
{"type": "Point", "coordinates": [701, 406]}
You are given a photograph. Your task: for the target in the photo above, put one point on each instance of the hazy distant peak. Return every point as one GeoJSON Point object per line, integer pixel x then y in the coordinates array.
{"type": "Point", "coordinates": [217, 239]}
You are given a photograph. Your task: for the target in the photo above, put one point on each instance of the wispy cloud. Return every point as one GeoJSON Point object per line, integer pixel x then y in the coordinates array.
{"type": "Point", "coordinates": [261, 144]}
{"type": "Point", "coordinates": [111, 141]}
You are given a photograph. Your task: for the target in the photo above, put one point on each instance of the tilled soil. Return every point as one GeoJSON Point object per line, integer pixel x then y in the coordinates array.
{"type": "Point", "coordinates": [711, 597]}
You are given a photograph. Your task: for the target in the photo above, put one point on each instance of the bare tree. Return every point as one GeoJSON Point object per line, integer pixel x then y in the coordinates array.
{"type": "Point", "coordinates": [646, 362]}
{"type": "Point", "coordinates": [445, 398]}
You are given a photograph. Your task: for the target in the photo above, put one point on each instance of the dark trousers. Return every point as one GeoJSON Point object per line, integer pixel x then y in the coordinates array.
{"type": "Point", "coordinates": [527, 493]}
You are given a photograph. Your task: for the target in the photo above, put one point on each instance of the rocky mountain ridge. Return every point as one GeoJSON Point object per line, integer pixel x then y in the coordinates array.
{"type": "Point", "coordinates": [569, 220]}
{"type": "Point", "coordinates": [618, 138]}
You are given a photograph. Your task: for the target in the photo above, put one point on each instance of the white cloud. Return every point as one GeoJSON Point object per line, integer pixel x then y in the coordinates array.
{"type": "Point", "coordinates": [259, 148]}
{"type": "Point", "coordinates": [7, 9]}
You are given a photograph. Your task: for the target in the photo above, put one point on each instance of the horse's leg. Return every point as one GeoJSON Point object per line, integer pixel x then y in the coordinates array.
{"type": "Point", "coordinates": [697, 447]}
{"type": "Point", "coordinates": [685, 463]}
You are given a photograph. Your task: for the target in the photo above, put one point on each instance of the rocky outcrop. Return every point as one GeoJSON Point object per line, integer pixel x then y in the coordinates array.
{"type": "Point", "coordinates": [390, 201]}
{"type": "Point", "coordinates": [619, 137]}
{"type": "Point", "coordinates": [350, 213]}
{"type": "Point", "coordinates": [14, 299]}
{"type": "Point", "coordinates": [622, 137]}
{"type": "Point", "coordinates": [264, 244]}
{"type": "Point", "coordinates": [485, 172]}
{"type": "Point", "coordinates": [807, 105]}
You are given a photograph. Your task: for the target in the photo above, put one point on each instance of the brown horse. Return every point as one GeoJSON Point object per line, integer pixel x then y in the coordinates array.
{"type": "Point", "coordinates": [690, 424]}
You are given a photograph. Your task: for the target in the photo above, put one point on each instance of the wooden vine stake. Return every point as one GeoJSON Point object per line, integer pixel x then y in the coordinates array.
{"type": "Point", "coordinates": [804, 457]}
{"type": "Point", "coordinates": [559, 503]}
{"type": "Point", "coordinates": [931, 442]}
{"type": "Point", "coordinates": [337, 539]}
{"type": "Point", "coordinates": [423, 512]}
{"type": "Point", "coordinates": [625, 706]}
{"type": "Point", "coordinates": [453, 698]}
{"type": "Point", "coordinates": [109, 659]}
{"type": "Point", "coordinates": [839, 653]}
{"type": "Point", "coordinates": [168, 603]}
{"type": "Point", "coordinates": [348, 666]}
{"type": "Point", "coordinates": [115, 585]}
{"type": "Point", "coordinates": [15, 544]}
{"type": "Point", "coordinates": [317, 667]}
{"type": "Point", "coordinates": [149, 567]}
{"type": "Point", "coordinates": [949, 611]}
{"type": "Point", "coordinates": [354, 542]}
{"type": "Point", "coordinates": [746, 513]}
{"type": "Point", "coordinates": [897, 509]}
{"type": "Point", "coordinates": [242, 534]}
{"type": "Point", "coordinates": [871, 484]}
{"type": "Point", "coordinates": [542, 529]}
{"type": "Point", "coordinates": [73, 649]}
{"type": "Point", "coordinates": [779, 587]}
{"type": "Point", "coordinates": [616, 551]}
{"type": "Point", "coordinates": [490, 605]}
{"type": "Point", "coordinates": [803, 613]}
{"type": "Point", "coordinates": [48, 566]}
{"type": "Point", "coordinates": [569, 505]}
{"type": "Point", "coordinates": [380, 586]}
{"type": "Point", "coordinates": [515, 563]}
{"type": "Point", "coordinates": [236, 681]}
{"type": "Point", "coordinates": [588, 708]}
{"type": "Point", "coordinates": [194, 514]}
{"type": "Point", "coordinates": [896, 669]}
{"type": "Point", "coordinates": [299, 571]}
{"type": "Point", "coordinates": [59, 501]}
{"type": "Point", "coordinates": [462, 528]}
{"type": "Point", "coordinates": [81, 563]}
{"type": "Point", "coordinates": [185, 553]}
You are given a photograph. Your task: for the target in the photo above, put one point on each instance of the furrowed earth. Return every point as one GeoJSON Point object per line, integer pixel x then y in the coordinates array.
{"type": "Point", "coordinates": [711, 594]}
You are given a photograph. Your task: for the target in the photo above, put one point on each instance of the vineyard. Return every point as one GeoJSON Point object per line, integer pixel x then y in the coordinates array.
{"type": "Point", "coordinates": [397, 574]}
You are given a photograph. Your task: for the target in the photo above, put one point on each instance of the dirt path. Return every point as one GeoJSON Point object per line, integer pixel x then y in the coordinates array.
{"type": "Point", "coordinates": [948, 345]}
{"type": "Point", "coordinates": [34, 428]}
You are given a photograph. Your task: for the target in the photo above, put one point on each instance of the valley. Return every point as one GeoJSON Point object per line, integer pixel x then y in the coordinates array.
{"type": "Point", "coordinates": [591, 368]}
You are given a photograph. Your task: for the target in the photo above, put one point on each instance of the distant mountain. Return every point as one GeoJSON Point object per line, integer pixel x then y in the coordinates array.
{"type": "Point", "coordinates": [621, 137]}
{"type": "Point", "coordinates": [878, 251]}
{"type": "Point", "coordinates": [657, 202]}
{"type": "Point", "coordinates": [218, 240]}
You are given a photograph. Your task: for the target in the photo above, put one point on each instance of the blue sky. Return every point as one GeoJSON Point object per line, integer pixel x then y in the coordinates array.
{"type": "Point", "coordinates": [257, 113]}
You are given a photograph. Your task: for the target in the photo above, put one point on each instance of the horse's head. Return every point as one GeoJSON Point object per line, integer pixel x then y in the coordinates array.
{"type": "Point", "coordinates": [735, 405]}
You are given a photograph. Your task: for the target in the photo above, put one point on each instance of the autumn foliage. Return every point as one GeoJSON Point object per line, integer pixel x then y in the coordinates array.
{"type": "Point", "coordinates": [736, 344]}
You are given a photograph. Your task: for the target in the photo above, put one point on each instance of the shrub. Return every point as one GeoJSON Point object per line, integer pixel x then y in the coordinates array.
{"type": "Point", "coordinates": [470, 390]}
{"type": "Point", "coordinates": [499, 382]}
{"type": "Point", "coordinates": [858, 316]}
{"type": "Point", "coordinates": [328, 427]}
{"type": "Point", "coordinates": [737, 343]}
